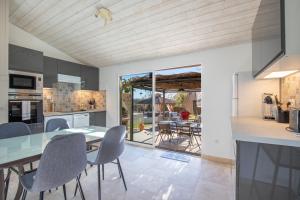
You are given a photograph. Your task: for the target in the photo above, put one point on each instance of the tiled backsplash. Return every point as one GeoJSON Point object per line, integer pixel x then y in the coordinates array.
{"type": "Point", "coordinates": [290, 89]}
{"type": "Point", "coordinates": [68, 97]}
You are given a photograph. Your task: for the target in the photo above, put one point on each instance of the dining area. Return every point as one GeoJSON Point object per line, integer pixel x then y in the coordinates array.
{"type": "Point", "coordinates": [179, 135]}
{"type": "Point", "coordinates": [45, 162]}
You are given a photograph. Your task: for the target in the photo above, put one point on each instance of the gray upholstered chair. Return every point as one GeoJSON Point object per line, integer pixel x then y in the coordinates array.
{"type": "Point", "coordinates": [111, 148]}
{"type": "Point", "coordinates": [9, 130]}
{"type": "Point", "coordinates": [56, 124]}
{"type": "Point", "coordinates": [63, 159]}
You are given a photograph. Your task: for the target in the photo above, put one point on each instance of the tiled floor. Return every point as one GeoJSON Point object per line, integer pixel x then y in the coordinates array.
{"type": "Point", "coordinates": [151, 177]}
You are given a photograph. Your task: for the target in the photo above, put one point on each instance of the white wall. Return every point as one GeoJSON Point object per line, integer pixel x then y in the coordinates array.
{"type": "Point", "coordinates": [218, 68]}
{"type": "Point", "coordinates": [4, 10]}
{"type": "Point", "coordinates": [22, 38]}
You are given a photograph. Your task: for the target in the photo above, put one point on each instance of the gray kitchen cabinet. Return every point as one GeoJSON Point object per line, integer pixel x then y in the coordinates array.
{"type": "Point", "coordinates": [267, 171]}
{"type": "Point", "coordinates": [50, 71]}
{"type": "Point", "coordinates": [89, 78]}
{"type": "Point", "coordinates": [98, 118]}
{"type": "Point", "coordinates": [24, 59]}
{"type": "Point", "coordinates": [68, 68]}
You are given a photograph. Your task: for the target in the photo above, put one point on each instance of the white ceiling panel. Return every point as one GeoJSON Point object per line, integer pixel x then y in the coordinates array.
{"type": "Point", "coordinates": [139, 29]}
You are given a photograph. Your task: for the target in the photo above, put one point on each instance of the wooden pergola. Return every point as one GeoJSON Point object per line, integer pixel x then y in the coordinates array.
{"type": "Point", "coordinates": [189, 82]}
{"type": "Point", "coordinates": [183, 82]}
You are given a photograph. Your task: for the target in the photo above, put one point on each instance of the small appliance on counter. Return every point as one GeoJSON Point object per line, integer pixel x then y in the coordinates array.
{"type": "Point", "coordinates": [294, 125]}
{"type": "Point", "coordinates": [283, 116]}
{"type": "Point", "coordinates": [269, 107]}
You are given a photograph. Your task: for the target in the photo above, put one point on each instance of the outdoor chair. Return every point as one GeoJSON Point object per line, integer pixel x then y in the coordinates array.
{"type": "Point", "coordinates": [164, 129]}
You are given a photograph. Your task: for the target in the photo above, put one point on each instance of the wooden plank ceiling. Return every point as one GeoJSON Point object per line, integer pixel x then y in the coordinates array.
{"type": "Point", "coordinates": [140, 29]}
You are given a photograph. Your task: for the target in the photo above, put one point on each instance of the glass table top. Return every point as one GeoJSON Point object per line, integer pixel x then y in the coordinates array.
{"type": "Point", "coordinates": [17, 148]}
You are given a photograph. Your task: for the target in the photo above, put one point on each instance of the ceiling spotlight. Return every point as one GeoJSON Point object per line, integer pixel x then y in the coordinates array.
{"type": "Point", "coordinates": [105, 14]}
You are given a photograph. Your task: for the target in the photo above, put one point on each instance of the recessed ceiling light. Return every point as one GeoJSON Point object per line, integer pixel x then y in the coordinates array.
{"type": "Point", "coordinates": [280, 74]}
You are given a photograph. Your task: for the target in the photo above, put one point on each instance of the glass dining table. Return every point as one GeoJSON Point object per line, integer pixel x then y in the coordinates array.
{"type": "Point", "coordinates": [18, 151]}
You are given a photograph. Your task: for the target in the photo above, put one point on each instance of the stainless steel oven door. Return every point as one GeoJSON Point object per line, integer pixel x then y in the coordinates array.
{"type": "Point", "coordinates": [27, 111]}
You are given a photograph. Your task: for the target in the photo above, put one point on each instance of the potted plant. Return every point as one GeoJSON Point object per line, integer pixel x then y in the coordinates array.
{"type": "Point", "coordinates": [141, 126]}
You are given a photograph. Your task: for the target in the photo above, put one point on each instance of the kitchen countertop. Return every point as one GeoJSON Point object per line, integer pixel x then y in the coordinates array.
{"type": "Point", "coordinates": [251, 129]}
{"type": "Point", "coordinates": [49, 114]}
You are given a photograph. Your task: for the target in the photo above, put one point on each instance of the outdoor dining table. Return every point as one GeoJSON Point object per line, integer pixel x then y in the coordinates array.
{"type": "Point", "coordinates": [18, 151]}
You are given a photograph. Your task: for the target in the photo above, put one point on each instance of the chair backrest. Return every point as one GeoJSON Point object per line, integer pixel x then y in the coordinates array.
{"type": "Point", "coordinates": [63, 159]}
{"type": "Point", "coordinates": [14, 129]}
{"type": "Point", "coordinates": [56, 124]}
{"type": "Point", "coordinates": [164, 127]}
{"type": "Point", "coordinates": [112, 146]}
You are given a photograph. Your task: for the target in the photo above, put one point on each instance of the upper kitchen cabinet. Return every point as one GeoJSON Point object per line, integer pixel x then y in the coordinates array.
{"type": "Point", "coordinates": [89, 78]}
{"type": "Point", "coordinates": [275, 35]}
{"type": "Point", "coordinates": [23, 59]}
{"type": "Point", "coordinates": [50, 71]}
{"type": "Point", "coordinates": [68, 68]}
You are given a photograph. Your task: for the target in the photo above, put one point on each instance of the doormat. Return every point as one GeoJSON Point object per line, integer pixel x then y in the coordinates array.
{"type": "Point", "coordinates": [176, 156]}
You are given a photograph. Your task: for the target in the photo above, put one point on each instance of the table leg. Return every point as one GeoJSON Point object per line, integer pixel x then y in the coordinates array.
{"type": "Point", "coordinates": [20, 187]}
{"type": "Point", "coordinates": [2, 185]}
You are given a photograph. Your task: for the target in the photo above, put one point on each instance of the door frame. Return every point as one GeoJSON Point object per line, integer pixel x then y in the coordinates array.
{"type": "Point", "coordinates": [152, 145]}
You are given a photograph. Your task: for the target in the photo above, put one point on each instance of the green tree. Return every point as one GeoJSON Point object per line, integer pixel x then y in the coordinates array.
{"type": "Point", "coordinates": [179, 99]}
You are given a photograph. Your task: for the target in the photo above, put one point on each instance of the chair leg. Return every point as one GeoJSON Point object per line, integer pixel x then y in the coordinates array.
{"type": "Point", "coordinates": [41, 195]}
{"type": "Point", "coordinates": [119, 171]}
{"type": "Point", "coordinates": [119, 165]}
{"type": "Point", "coordinates": [80, 189]}
{"type": "Point", "coordinates": [7, 180]}
{"type": "Point", "coordinates": [76, 188]}
{"type": "Point", "coordinates": [31, 166]}
{"type": "Point", "coordinates": [102, 171]}
{"type": "Point", "coordinates": [64, 190]}
{"type": "Point", "coordinates": [99, 182]}
{"type": "Point", "coordinates": [24, 194]}
{"type": "Point", "coordinates": [85, 172]}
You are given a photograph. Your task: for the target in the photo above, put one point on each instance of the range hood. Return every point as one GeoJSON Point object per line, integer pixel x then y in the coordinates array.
{"type": "Point", "coordinates": [62, 78]}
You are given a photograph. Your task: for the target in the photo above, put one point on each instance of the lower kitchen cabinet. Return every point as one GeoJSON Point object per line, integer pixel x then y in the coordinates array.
{"type": "Point", "coordinates": [267, 172]}
{"type": "Point", "coordinates": [98, 118]}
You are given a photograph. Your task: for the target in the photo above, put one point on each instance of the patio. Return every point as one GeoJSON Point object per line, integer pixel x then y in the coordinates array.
{"type": "Point", "coordinates": [183, 139]}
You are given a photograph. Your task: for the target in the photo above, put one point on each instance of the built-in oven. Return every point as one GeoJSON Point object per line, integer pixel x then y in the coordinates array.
{"type": "Point", "coordinates": [25, 82]}
{"type": "Point", "coordinates": [27, 108]}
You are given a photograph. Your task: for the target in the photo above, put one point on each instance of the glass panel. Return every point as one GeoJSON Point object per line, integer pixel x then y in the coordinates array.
{"type": "Point", "coordinates": [136, 106]}
{"type": "Point", "coordinates": [17, 148]}
{"type": "Point", "coordinates": [178, 109]}
{"type": "Point", "coordinates": [22, 82]}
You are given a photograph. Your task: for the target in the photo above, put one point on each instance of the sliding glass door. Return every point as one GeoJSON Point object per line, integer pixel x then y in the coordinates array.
{"type": "Point", "coordinates": [136, 107]}
{"type": "Point", "coordinates": [163, 108]}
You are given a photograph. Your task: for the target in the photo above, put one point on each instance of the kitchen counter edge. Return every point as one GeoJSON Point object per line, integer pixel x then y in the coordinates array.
{"type": "Point", "coordinates": [50, 114]}
{"type": "Point", "coordinates": [251, 129]}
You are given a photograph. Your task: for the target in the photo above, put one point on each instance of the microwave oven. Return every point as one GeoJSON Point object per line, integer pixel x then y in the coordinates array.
{"type": "Point", "coordinates": [25, 82]}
